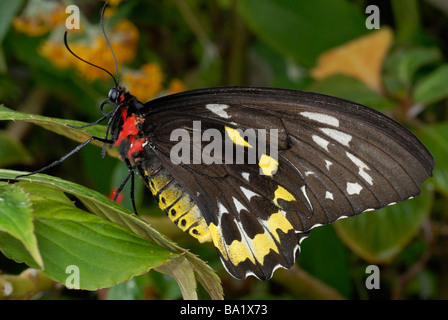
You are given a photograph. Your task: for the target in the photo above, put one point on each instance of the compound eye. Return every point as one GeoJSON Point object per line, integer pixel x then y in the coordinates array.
{"type": "Point", "coordinates": [113, 94]}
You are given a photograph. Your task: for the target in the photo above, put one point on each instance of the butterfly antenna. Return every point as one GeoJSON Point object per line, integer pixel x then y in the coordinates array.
{"type": "Point", "coordinates": [89, 63]}
{"type": "Point", "coordinates": [107, 40]}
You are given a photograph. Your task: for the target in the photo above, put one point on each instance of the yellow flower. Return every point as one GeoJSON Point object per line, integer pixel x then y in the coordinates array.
{"type": "Point", "coordinates": [114, 3]}
{"type": "Point", "coordinates": [145, 83]}
{"type": "Point", "coordinates": [30, 27]}
{"type": "Point", "coordinates": [94, 49]}
{"type": "Point", "coordinates": [38, 19]}
{"type": "Point", "coordinates": [125, 40]}
{"type": "Point", "coordinates": [176, 86]}
{"type": "Point", "coordinates": [56, 53]}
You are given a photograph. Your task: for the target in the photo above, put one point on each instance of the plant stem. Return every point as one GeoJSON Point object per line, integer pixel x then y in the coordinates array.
{"type": "Point", "coordinates": [407, 18]}
{"type": "Point", "coordinates": [26, 285]}
{"type": "Point", "coordinates": [237, 58]}
{"type": "Point", "coordinates": [303, 285]}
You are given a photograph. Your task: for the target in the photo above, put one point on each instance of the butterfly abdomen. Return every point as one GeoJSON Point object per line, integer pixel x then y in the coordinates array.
{"type": "Point", "coordinates": [172, 198]}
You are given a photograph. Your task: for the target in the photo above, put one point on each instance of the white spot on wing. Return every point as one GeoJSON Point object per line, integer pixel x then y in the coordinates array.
{"type": "Point", "coordinates": [362, 166]}
{"type": "Point", "coordinates": [221, 209]}
{"type": "Point", "coordinates": [353, 188]}
{"type": "Point", "coordinates": [239, 206]}
{"type": "Point", "coordinates": [245, 176]}
{"type": "Point", "coordinates": [339, 136]}
{"type": "Point", "coordinates": [328, 164]}
{"type": "Point", "coordinates": [321, 142]}
{"type": "Point", "coordinates": [328, 195]}
{"type": "Point", "coordinates": [306, 197]}
{"type": "Point", "coordinates": [218, 109]}
{"type": "Point", "coordinates": [248, 193]}
{"type": "Point", "coordinates": [322, 118]}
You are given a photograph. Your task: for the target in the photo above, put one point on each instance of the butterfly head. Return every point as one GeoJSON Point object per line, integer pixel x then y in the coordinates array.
{"type": "Point", "coordinates": [120, 97]}
{"type": "Point", "coordinates": [116, 94]}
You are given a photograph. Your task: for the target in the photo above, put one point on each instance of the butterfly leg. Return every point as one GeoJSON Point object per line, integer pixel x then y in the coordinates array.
{"type": "Point", "coordinates": [120, 188]}
{"type": "Point", "coordinates": [57, 162]}
{"type": "Point", "coordinates": [88, 125]}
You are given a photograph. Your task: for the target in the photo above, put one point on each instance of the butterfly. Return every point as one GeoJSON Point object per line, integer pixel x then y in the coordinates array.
{"type": "Point", "coordinates": [335, 159]}
{"type": "Point", "coordinates": [259, 168]}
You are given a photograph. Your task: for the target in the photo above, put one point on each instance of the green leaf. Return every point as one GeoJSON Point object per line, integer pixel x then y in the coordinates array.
{"type": "Point", "coordinates": [273, 69]}
{"type": "Point", "coordinates": [129, 290]}
{"type": "Point", "coordinates": [402, 64]}
{"type": "Point", "coordinates": [8, 10]}
{"type": "Point", "coordinates": [104, 252]}
{"type": "Point", "coordinates": [180, 269]}
{"type": "Point", "coordinates": [96, 203]}
{"type": "Point", "coordinates": [352, 89]}
{"type": "Point", "coordinates": [59, 126]}
{"type": "Point", "coordinates": [101, 205]}
{"type": "Point", "coordinates": [111, 211]}
{"type": "Point", "coordinates": [315, 258]}
{"type": "Point", "coordinates": [12, 151]}
{"type": "Point", "coordinates": [16, 218]}
{"type": "Point", "coordinates": [406, 18]}
{"type": "Point", "coordinates": [379, 236]}
{"type": "Point", "coordinates": [303, 29]}
{"type": "Point", "coordinates": [435, 139]}
{"type": "Point", "coordinates": [433, 87]}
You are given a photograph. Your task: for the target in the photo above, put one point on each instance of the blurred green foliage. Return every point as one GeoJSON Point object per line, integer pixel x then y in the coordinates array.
{"type": "Point", "coordinates": [245, 42]}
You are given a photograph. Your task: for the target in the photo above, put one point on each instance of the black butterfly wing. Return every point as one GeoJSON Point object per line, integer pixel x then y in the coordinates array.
{"type": "Point", "coordinates": [335, 158]}
{"type": "Point", "coordinates": [250, 218]}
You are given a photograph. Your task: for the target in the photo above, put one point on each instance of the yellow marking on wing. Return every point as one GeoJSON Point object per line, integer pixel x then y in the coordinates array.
{"type": "Point", "coordinates": [282, 193]}
{"type": "Point", "coordinates": [268, 165]}
{"type": "Point", "coordinates": [236, 137]}
{"type": "Point", "coordinates": [239, 252]}
{"type": "Point", "coordinates": [278, 221]}
{"type": "Point", "coordinates": [236, 252]}
{"type": "Point", "coordinates": [263, 244]}
{"type": "Point", "coordinates": [218, 241]}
